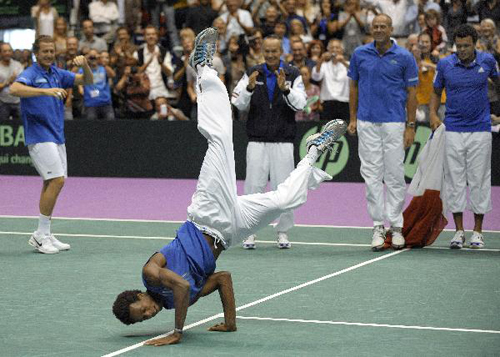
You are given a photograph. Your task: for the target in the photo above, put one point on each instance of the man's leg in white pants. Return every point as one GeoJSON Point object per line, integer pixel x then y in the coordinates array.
{"type": "Point", "coordinates": [213, 202]}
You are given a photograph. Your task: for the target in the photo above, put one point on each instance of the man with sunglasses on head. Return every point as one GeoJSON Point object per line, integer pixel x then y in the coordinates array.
{"type": "Point", "coordinates": [42, 89]}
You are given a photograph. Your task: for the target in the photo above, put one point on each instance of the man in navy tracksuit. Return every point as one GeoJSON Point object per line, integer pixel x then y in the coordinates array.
{"type": "Point", "coordinates": [272, 92]}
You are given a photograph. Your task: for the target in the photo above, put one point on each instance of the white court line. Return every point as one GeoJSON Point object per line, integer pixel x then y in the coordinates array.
{"type": "Point", "coordinates": [267, 298]}
{"type": "Point", "coordinates": [258, 241]}
{"type": "Point", "coordinates": [409, 327]}
{"type": "Point", "coordinates": [166, 221]}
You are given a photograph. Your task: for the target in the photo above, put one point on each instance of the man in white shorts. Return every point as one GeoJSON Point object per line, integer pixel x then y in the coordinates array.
{"type": "Point", "coordinates": [42, 91]}
{"type": "Point", "coordinates": [465, 75]}
{"type": "Point", "coordinates": [180, 273]}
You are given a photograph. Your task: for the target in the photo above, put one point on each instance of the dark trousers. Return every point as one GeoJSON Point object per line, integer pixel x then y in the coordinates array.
{"type": "Point", "coordinates": [105, 112]}
{"type": "Point", "coordinates": [333, 109]}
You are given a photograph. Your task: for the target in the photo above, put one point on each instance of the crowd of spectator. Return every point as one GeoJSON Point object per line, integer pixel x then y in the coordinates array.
{"type": "Point", "coordinates": [139, 49]}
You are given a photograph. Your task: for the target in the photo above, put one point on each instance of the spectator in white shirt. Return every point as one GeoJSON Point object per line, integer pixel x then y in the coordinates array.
{"type": "Point", "coordinates": [238, 21]}
{"type": "Point", "coordinates": [45, 17]}
{"type": "Point", "coordinates": [9, 70]}
{"type": "Point", "coordinates": [156, 61]}
{"type": "Point", "coordinates": [331, 71]}
{"type": "Point", "coordinates": [105, 15]}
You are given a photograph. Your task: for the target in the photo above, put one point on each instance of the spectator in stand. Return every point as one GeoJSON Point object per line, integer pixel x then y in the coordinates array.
{"type": "Point", "coordinates": [488, 9]}
{"type": "Point", "coordinates": [238, 21]}
{"type": "Point", "coordinates": [411, 42]}
{"type": "Point", "coordinates": [89, 41]}
{"type": "Point", "coordinates": [455, 15]}
{"type": "Point", "coordinates": [325, 24]}
{"type": "Point", "coordinates": [488, 37]}
{"type": "Point", "coordinates": [133, 87]}
{"type": "Point", "coordinates": [289, 11]}
{"type": "Point", "coordinates": [27, 58]}
{"type": "Point", "coordinates": [104, 14]}
{"type": "Point", "coordinates": [130, 12]}
{"type": "Point", "coordinates": [181, 66]}
{"type": "Point", "coordinates": [156, 7]}
{"type": "Point", "coordinates": [315, 49]}
{"type": "Point", "coordinates": [97, 96]}
{"type": "Point", "coordinates": [235, 66]}
{"type": "Point", "coordinates": [426, 71]}
{"type": "Point", "coordinates": [280, 32]}
{"type": "Point", "coordinates": [220, 25]}
{"type": "Point", "coordinates": [270, 19]}
{"type": "Point", "coordinates": [72, 45]}
{"type": "Point", "coordinates": [255, 55]}
{"type": "Point", "coordinates": [9, 70]}
{"type": "Point", "coordinates": [60, 36]}
{"type": "Point", "coordinates": [201, 16]}
{"type": "Point", "coordinates": [73, 105]}
{"type": "Point", "coordinates": [331, 71]}
{"type": "Point", "coordinates": [307, 10]}
{"type": "Point", "coordinates": [299, 54]}
{"type": "Point", "coordinates": [403, 13]}
{"type": "Point", "coordinates": [436, 32]}
{"type": "Point", "coordinates": [352, 23]}
{"type": "Point", "coordinates": [44, 16]}
{"type": "Point", "coordinates": [156, 61]}
{"type": "Point", "coordinates": [313, 107]}
{"type": "Point", "coordinates": [297, 29]}
{"type": "Point", "coordinates": [122, 49]}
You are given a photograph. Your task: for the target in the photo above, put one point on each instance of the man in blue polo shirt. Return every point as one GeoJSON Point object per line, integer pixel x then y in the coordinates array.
{"type": "Point", "coordinates": [42, 91]}
{"type": "Point", "coordinates": [465, 75]}
{"type": "Point", "coordinates": [382, 105]}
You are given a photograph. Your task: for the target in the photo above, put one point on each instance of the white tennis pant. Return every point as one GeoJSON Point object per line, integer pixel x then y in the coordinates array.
{"type": "Point", "coordinates": [215, 208]}
{"type": "Point", "coordinates": [381, 151]}
{"type": "Point", "coordinates": [468, 161]}
{"type": "Point", "coordinates": [273, 161]}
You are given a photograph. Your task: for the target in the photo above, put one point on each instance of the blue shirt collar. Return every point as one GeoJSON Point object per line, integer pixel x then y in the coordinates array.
{"type": "Point", "coordinates": [477, 61]}
{"type": "Point", "coordinates": [391, 49]}
{"type": "Point", "coordinates": [42, 70]}
{"type": "Point", "coordinates": [267, 72]}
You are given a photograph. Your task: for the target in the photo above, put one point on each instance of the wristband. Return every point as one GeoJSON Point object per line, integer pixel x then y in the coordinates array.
{"type": "Point", "coordinates": [178, 330]}
{"type": "Point", "coordinates": [410, 125]}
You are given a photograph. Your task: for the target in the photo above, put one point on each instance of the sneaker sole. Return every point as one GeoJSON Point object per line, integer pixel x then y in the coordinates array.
{"type": "Point", "coordinates": [397, 247]}
{"type": "Point", "coordinates": [249, 246]}
{"type": "Point", "coordinates": [473, 246]}
{"type": "Point", "coordinates": [284, 246]}
{"type": "Point", "coordinates": [378, 248]}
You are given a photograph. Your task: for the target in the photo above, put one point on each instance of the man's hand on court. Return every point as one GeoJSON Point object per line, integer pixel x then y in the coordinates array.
{"type": "Point", "coordinates": [409, 137]}
{"type": "Point", "coordinates": [222, 327]}
{"type": "Point", "coordinates": [59, 93]}
{"type": "Point", "coordinates": [435, 121]}
{"type": "Point", "coordinates": [167, 340]}
{"type": "Point", "coordinates": [80, 61]}
{"type": "Point", "coordinates": [351, 128]}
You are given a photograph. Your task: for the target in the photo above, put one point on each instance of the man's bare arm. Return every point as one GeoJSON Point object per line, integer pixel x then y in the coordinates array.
{"type": "Point", "coordinates": [155, 273]}
{"type": "Point", "coordinates": [222, 281]}
{"type": "Point", "coordinates": [18, 89]}
{"type": "Point", "coordinates": [434, 104]}
{"type": "Point", "coordinates": [87, 78]}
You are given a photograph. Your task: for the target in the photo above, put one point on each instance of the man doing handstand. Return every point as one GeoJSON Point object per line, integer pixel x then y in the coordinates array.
{"type": "Point", "coordinates": [183, 271]}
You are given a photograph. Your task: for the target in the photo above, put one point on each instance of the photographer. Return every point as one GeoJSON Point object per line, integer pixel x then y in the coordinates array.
{"type": "Point", "coordinates": [133, 88]}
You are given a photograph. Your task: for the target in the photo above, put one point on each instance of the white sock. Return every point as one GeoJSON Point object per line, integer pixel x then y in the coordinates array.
{"type": "Point", "coordinates": [313, 154]}
{"type": "Point", "coordinates": [44, 225]}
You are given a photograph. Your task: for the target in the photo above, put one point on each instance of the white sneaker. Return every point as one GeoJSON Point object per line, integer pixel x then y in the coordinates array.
{"type": "Point", "coordinates": [58, 244]}
{"type": "Point", "coordinates": [42, 244]}
{"type": "Point", "coordinates": [398, 241]}
{"type": "Point", "coordinates": [458, 240]}
{"type": "Point", "coordinates": [249, 243]}
{"type": "Point", "coordinates": [283, 242]}
{"type": "Point", "coordinates": [378, 238]}
{"type": "Point", "coordinates": [476, 241]}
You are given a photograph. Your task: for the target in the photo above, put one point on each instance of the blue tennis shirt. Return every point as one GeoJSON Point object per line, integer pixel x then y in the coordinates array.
{"type": "Point", "coordinates": [383, 82]}
{"type": "Point", "coordinates": [467, 104]}
{"type": "Point", "coordinates": [43, 117]}
{"type": "Point", "coordinates": [190, 256]}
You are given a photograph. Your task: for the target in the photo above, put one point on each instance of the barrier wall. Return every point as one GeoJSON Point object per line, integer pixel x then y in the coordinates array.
{"type": "Point", "coordinates": [161, 149]}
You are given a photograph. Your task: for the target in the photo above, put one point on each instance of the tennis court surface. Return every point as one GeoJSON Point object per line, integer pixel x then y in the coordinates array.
{"type": "Point", "coordinates": [327, 296]}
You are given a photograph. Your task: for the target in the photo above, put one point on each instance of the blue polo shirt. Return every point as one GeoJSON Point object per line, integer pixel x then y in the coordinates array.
{"type": "Point", "coordinates": [271, 80]}
{"type": "Point", "coordinates": [43, 117]}
{"type": "Point", "coordinates": [97, 94]}
{"type": "Point", "coordinates": [467, 104]}
{"type": "Point", "coordinates": [383, 82]}
{"type": "Point", "coordinates": [189, 256]}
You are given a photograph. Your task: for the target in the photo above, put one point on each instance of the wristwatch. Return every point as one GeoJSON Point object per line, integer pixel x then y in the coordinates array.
{"type": "Point", "coordinates": [410, 124]}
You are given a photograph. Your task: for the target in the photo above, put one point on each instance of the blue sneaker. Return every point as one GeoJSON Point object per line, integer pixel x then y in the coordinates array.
{"type": "Point", "coordinates": [324, 140]}
{"type": "Point", "coordinates": [205, 45]}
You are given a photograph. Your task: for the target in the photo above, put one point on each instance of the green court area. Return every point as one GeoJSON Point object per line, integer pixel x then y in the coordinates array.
{"type": "Point", "coordinates": [327, 296]}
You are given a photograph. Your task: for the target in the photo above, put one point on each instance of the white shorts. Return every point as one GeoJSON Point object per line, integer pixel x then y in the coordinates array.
{"type": "Point", "coordinates": [49, 159]}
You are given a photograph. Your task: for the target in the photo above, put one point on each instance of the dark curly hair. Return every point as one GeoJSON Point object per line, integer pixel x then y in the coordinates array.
{"type": "Point", "coordinates": [121, 306]}
{"type": "Point", "coordinates": [465, 30]}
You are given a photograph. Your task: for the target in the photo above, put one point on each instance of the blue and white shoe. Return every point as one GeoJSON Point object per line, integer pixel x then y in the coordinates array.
{"type": "Point", "coordinates": [205, 46]}
{"type": "Point", "coordinates": [324, 140]}
{"type": "Point", "coordinates": [476, 240]}
{"type": "Point", "coordinates": [458, 240]}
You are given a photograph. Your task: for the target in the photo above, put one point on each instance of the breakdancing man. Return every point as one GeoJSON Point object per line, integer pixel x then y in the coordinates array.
{"type": "Point", "coordinates": [184, 270]}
